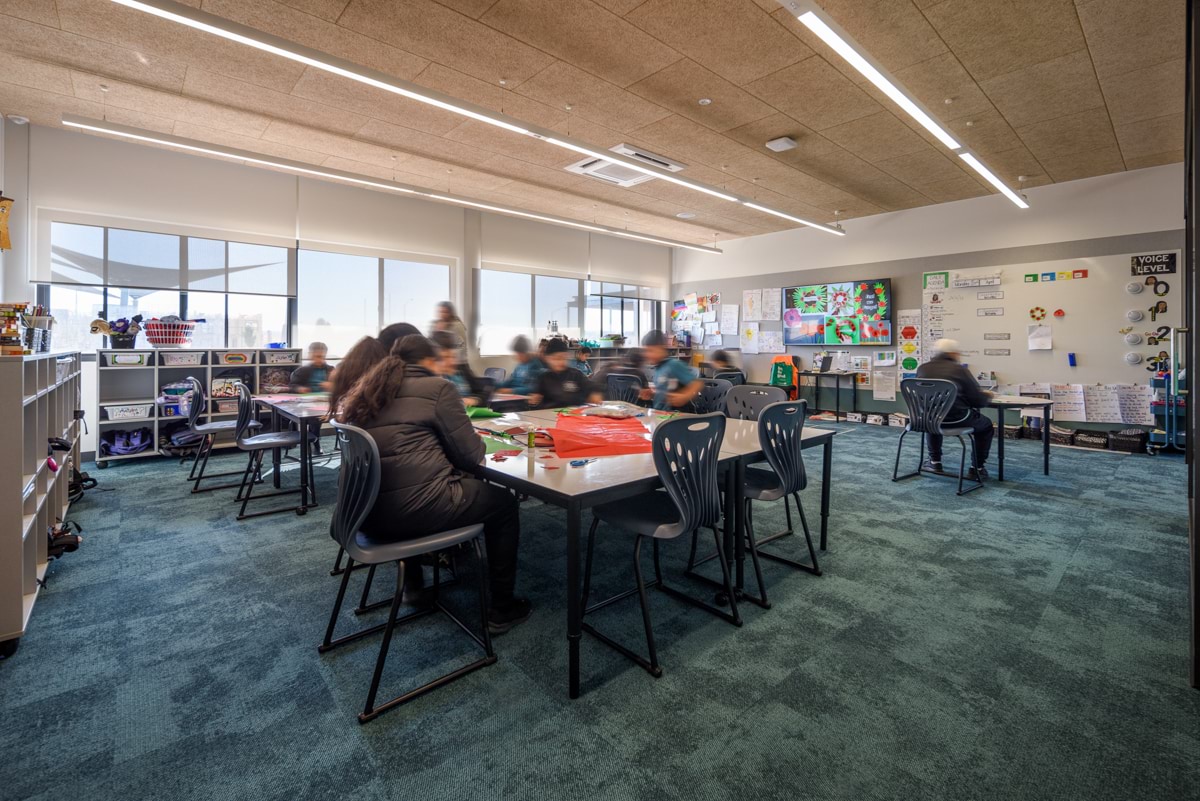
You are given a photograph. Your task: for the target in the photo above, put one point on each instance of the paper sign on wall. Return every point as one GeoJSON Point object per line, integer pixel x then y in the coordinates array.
{"type": "Point", "coordinates": [770, 341]}
{"type": "Point", "coordinates": [748, 338]}
{"type": "Point", "coordinates": [1068, 402]}
{"type": "Point", "coordinates": [752, 304]}
{"type": "Point", "coordinates": [772, 305]}
{"type": "Point", "coordinates": [883, 384]}
{"type": "Point", "coordinates": [729, 318]}
{"type": "Point", "coordinates": [1040, 337]}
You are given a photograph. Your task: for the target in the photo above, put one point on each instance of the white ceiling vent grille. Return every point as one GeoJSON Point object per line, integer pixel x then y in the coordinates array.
{"type": "Point", "coordinates": [620, 175]}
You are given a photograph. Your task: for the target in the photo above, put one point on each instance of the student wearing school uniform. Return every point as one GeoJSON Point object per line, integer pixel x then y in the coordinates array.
{"type": "Point", "coordinates": [317, 374]}
{"type": "Point", "coordinates": [965, 412]}
{"type": "Point", "coordinates": [523, 379]}
{"type": "Point", "coordinates": [675, 384]}
{"type": "Point", "coordinates": [560, 384]}
{"type": "Point", "coordinates": [452, 367]}
{"type": "Point", "coordinates": [719, 362]}
{"type": "Point", "coordinates": [580, 362]}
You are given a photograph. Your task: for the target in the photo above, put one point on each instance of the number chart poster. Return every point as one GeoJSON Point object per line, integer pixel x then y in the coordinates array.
{"type": "Point", "coordinates": [848, 313]}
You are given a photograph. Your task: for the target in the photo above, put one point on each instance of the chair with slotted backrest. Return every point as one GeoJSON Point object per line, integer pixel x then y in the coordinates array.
{"type": "Point", "coordinates": [256, 446]}
{"type": "Point", "coordinates": [624, 387]}
{"type": "Point", "coordinates": [358, 487]}
{"type": "Point", "coordinates": [929, 400]}
{"type": "Point", "coordinates": [686, 451]}
{"type": "Point", "coordinates": [745, 402]}
{"type": "Point", "coordinates": [711, 397]}
{"type": "Point", "coordinates": [198, 408]}
{"type": "Point", "coordinates": [497, 374]}
{"type": "Point", "coordinates": [735, 377]}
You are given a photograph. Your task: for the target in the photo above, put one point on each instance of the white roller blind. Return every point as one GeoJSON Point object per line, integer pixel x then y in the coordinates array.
{"type": "Point", "coordinates": [636, 262]}
{"type": "Point", "coordinates": [537, 247]}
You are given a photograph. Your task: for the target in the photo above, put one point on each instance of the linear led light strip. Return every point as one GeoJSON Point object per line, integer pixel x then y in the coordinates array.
{"type": "Point", "coordinates": [210, 23]}
{"type": "Point", "coordinates": [844, 46]}
{"type": "Point", "coordinates": [196, 146]}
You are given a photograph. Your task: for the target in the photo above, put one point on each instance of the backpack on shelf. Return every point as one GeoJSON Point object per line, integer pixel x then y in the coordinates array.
{"type": "Point", "coordinates": [176, 439]}
{"type": "Point", "coordinates": [125, 443]}
{"type": "Point", "coordinates": [222, 387]}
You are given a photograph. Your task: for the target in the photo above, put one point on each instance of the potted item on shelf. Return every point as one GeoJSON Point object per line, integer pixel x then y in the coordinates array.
{"type": "Point", "coordinates": [170, 331]}
{"type": "Point", "coordinates": [122, 332]}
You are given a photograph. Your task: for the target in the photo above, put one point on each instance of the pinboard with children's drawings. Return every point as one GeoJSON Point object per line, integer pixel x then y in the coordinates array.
{"type": "Point", "coordinates": [1098, 320]}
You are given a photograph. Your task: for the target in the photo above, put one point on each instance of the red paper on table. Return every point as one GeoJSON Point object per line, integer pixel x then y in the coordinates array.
{"type": "Point", "coordinates": [580, 436]}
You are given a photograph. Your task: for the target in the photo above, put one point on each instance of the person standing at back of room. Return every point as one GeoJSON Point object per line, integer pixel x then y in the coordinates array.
{"type": "Point", "coordinates": [965, 412]}
{"type": "Point", "coordinates": [524, 377]}
{"type": "Point", "coordinates": [675, 384]}
{"type": "Point", "coordinates": [448, 320]}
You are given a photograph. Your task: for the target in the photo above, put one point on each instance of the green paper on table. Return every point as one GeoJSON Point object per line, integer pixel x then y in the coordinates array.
{"type": "Point", "coordinates": [492, 445]}
{"type": "Point", "coordinates": [481, 413]}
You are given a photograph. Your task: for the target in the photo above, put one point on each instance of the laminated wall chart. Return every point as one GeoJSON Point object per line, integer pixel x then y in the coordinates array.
{"type": "Point", "coordinates": [1087, 333]}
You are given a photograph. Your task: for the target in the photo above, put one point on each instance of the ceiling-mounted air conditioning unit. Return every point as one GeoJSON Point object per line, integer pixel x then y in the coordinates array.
{"type": "Point", "coordinates": [614, 173]}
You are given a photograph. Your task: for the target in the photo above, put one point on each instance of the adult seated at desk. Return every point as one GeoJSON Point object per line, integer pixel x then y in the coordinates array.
{"type": "Point", "coordinates": [317, 375]}
{"type": "Point", "coordinates": [560, 384]}
{"type": "Point", "coordinates": [523, 379]}
{"type": "Point", "coordinates": [427, 445]}
{"type": "Point", "coordinates": [965, 411]}
{"type": "Point", "coordinates": [453, 367]}
{"type": "Point", "coordinates": [675, 384]}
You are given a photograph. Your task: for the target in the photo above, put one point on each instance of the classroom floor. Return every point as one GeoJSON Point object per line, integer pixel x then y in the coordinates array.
{"type": "Point", "coordinates": [1025, 641]}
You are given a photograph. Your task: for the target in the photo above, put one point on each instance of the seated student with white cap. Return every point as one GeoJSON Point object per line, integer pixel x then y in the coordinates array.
{"type": "Point", "coordinates": [965, 411]}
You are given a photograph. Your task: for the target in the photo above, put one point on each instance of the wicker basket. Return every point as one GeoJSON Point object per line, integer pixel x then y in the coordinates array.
{"type": "Point", "coordinates": [168, 335]}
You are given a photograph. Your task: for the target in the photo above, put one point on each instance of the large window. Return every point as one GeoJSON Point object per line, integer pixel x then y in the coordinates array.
{"type": "Point", "coordinates": [113, 272]}
{"type": "Point", "coordinates": [512, 303]}
{"type": "Point", "coordinates": [412, 290]}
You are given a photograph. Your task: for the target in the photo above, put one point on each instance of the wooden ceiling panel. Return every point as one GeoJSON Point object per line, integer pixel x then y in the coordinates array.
{"type": "Point", "coordinates": [618, 7]}
{"type": "Point", "coordinates": [680, 87]}
{"type": "Point", "coordinates": [41, 107]}
{"type": "Point", "coordinates": [692, 143]}
{"type": "Point", "coordinates": [1154, 160]}
{"type": "Point", "coordinates": [309, 138]}
{"type": "Point", "coordinates": [815, 94]}
{"type": "Point", "coordinates": [160, 38]}
{"type": "Point", "coordinates": [877, 137]}
{"type": "Point", "coordinates": [1125, 36]}
{"type": "Point", "coordinates": [730, 37]}
{"type": "Point", "coordinates": [961, 188]}
{"type": "Point", "coordinates": [472, 8]}
{"type": "Point", "coordinates": [924, 167]}
{"type": "Point", "coordinates": [1145, 94]}
{"type": "Point", "coordinates": [586, 35]}
{"type": "Point", "coordinates": [71, 50]}
{"type": "Point", "coordinates": [986, 133]}
{"type": "Point", "coordinates": [1012, 164]}
{"type": "Point", "coordinates": [249, 97]}
{"type": "Point", "coordinates": [809, 144]}
{"type": "Point", "coordinates": [337, 92]}
{"type": "Point", "coordinates": [35, 74]}
{"type": "Point", "coordinates": [995, 38]}
{"type": "Point", "coordinates": [285, 150]}
{"type": "Point", "coordinates": [1046, 90]}
{"type": "Point", "coordinates": [1075, 165]}
{"type": "Point", "coordinates": [893, 31]}
{"type": "Point", "coordinates": [416, 142]}
{"type": "Point", "coordinates": [120, 94]}
{"type": "Point", "coordinates": [1148, 137]}
{"type": "Point", "coordinates": [1085, 133]}
{"type": "Point", "coordinates": [496, 140]}
{"type": "Point", "coordinates": [38, 11]}
{"type": "Point", "coordinates": [562, 84]}
{"type": "Point", "coordinates": [493, 96]}
{"type": "Point", "coordinates": [325, 9]}
{"type": "Point", "coordinates": [940, 78]}
{"type": "Point", "coordinates": [439, 34]}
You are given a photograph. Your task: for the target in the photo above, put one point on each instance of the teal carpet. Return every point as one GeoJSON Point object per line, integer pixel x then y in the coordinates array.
{"type": "Point", "coordinates": [1027, 641]}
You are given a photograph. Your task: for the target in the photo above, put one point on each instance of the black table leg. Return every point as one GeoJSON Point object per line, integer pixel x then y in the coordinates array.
{"type": "Point", "coordinates": [275, 455]}
{"type": "Point", "coordinates": [826, 480]}
{"type": "Point", "coordinates": [837, 398]}
{"type": "Point", "coordinates": [1000, 443]}
{"type": "Point", "coordinates": [738, 468]}
{"type": "Point", "coordinates": [574, 613]}
{"type": "Point", "coordinates": [304, 457]}
{"type": "Point", "coordinates": [1046, 440]}
{"type": "Point", "coordinates": [854, 393]}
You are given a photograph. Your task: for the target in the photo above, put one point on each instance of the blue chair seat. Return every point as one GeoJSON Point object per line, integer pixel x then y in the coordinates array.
{"type": "Point", "coordinates": [763, 485]}
{"type": "Point", "coordinates": [375, 551]}
{"type": "Point", "coordinates": [650, 515]}
{"type": "Point", "coordinates": [221, 427]}
{"type": "Point", "coordinates": [271, 440]}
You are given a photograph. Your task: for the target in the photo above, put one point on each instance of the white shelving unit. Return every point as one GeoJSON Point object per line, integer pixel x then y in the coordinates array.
{"type": "Point", "coordinates": [135, 378]}
{"type": "Point", "coordinates": [38, 398]}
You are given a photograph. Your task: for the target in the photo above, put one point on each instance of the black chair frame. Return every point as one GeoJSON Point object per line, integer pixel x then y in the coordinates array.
{"type": "Point", "coordinates": [196, 407]}
{"type": "Point", "coordinates": [929, 400]}
{"type": "Point", "coordinates": [253, 472]}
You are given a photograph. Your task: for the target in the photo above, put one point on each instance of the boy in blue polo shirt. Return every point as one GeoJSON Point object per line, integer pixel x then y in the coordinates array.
{"type": "Point", "coordinates": [524, 378]}
{"type": "Point", "coordinates": [675, 384]}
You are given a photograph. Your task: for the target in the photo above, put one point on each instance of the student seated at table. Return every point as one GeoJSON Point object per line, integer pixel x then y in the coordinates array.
{"type": "Point", "coordinates": [720, 362]}
{"type": "Point", "coordinates": [581, 363]}
{"type": "Point", "coordinates": [523, 378]}
{"type": "Point", "coordinates": [427, 446]}
{"type": "Point", "coordinates": [560, 384]}
{"type": "Point", "coordinates": [358, 361]}
{"type": "Point", "coordinates": [457, 372]}
{"type": "Point", "coordinates": [965, 411]}
{"type": "Point", "coordinates": [675, 384]}
{"type": "Point", "coordinates": [317, 374]}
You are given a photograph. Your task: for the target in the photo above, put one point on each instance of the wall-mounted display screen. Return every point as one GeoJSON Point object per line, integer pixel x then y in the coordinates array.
{"type": "Point", "coordinates": [850, 313]}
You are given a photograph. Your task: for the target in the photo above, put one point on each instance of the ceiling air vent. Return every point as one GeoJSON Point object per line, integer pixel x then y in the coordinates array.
{"type": "Point", "coordinates": [613, 173]}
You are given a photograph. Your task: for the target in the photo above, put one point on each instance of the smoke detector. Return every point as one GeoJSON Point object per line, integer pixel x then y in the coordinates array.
{"type": "Point", "coordinates": [612, 172]}
{"type": "Point", "coordinates": [781, 144]}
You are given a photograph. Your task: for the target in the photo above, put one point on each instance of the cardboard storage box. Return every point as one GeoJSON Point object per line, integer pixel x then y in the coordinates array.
{"type": "Point", "coordinates": [877, 419]}
{"type": "Point", "coordinates": [855, 417]}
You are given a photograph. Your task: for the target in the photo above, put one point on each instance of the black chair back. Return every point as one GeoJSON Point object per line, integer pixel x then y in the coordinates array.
{"type": "Point", "coordinates": [929, 401]}
{"type": "Point", "coordinates": [780, 431]}
{"type": "Point", "coordinates": [245, 410]}
{"type": "Point", "coordinates": [358, 485]}
{"type": "Point", "coordinates": [497, 374]}
{"type": "Point", "coordinates": [624, 387]}
{"type": "Point", "coordinates": [735, 377]}
{"type": "Point", "coordinates": [747, 401]}
{"type": "Point", "coordinates": [685, 455]}
{"type": "Point", "coordinates": [196, 406]}
{"type": "Point", "coordinates": [712, 398]}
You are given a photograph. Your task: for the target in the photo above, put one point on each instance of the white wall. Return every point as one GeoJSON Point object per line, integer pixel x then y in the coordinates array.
{"type": "Point", "coordinates": [1134, 202]}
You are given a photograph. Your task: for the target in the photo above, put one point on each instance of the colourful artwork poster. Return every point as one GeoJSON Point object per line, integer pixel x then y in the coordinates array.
{"type": "Point", "coordinates": [807, 299]}
{"type": "Point", "coordinates": [808, 330]}
{"type": "Point", "coordinates": [841, 300]}
{"type": "Point", "coordinates": [841, 331]}
{"type": "Point", "coordinates": [875, 333]}
{"type": "Point", "coordinates": [679, 311]}
{"type": "Point", "coordinates": [871, 301]}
